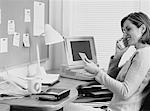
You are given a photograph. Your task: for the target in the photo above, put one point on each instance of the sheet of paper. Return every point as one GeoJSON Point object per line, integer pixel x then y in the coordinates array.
{"type": "Point", "coordinates": [39, 18]}
{"type": "Point", "coordinates": [50, 78]}
{"type": "Point", "coordinates": [9, 87]}
{"type": "Point", "coordinates": [16, 39]}
{"type": "Point", "coordinates": [3, 45]}
{"type": "Point", "coordinates": [27, 16]}
{"type": "Point", "coordinates": [11, 27]}
{"type": "Point", "coordinates": [26, 41]}
{"type": "Point", "coordinates": [83, 56]}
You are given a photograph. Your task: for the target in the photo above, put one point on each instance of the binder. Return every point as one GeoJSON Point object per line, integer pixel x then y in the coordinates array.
{"type": "Point", "coordinates": [54, 94]}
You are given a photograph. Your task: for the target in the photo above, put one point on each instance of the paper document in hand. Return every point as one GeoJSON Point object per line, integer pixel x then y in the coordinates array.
{"type": "Point", "coordinates": [50, 79]}
{"type": "Point", "coordinates": [83, 56]}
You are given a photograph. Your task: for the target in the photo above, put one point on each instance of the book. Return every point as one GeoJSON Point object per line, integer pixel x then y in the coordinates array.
{"type": "Point", "coordinates": [54, 94]}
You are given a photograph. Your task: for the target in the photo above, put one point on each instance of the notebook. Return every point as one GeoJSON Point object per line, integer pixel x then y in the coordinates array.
{"type": "Point", "coordinates": [75, 66]}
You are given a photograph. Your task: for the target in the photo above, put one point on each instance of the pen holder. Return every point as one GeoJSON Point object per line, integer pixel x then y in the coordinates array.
{"type": "Point", "coordinates": [34, 85]}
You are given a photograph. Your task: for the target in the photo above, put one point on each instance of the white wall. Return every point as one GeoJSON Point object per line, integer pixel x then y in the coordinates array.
{"type": "Point", "coordinates": [145, 6]}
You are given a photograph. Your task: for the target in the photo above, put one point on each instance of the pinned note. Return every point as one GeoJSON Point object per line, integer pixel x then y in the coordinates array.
{"type": "Point", "coordinates": [27, 17]}
{"type": "Point", "coordinates": [11, 27]}
{"type": "Point", "coordinates": [3, 45]}
{"type": "Point", "coordinates": [39, 17]}
{"type": "Point", "coordinates": [16, 39]}
{"type": "Point", "coordinates": [26, 42]}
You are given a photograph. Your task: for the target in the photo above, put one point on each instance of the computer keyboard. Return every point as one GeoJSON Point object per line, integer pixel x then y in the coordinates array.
{"type": "Point", "coordinates": [79, 74]}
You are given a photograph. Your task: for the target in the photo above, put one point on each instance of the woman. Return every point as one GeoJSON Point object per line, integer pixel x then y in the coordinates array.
{"type": "Point", "coordinates": [131, 79]}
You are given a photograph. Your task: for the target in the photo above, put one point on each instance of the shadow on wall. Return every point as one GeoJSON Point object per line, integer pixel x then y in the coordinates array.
{"type": "Point", "coordinates": [57, 56]}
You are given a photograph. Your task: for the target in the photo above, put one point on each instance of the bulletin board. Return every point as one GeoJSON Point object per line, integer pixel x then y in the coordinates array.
{"type": "Point", "coordinates": [15, 10]}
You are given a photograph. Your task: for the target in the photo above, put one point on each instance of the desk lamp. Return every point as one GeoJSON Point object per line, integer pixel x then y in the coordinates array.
{"type": "Point", "coordinates": [51, 37]}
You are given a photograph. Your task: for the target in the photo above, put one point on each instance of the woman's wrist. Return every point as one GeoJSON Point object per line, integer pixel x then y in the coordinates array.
{"type": "Point", "coordinates": [100, 74]}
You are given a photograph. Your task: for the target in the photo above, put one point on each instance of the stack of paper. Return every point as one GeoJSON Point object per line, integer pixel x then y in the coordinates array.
{"type": "Point", "coordinates": [50, 79]}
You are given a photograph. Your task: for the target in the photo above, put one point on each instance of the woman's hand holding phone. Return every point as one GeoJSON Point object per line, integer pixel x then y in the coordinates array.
{"type": "Point", "coordinates": [121, 47]}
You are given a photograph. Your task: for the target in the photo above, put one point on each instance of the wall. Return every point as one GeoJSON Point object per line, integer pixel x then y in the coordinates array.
{"type": "Point", "coordinates": [145, 6]}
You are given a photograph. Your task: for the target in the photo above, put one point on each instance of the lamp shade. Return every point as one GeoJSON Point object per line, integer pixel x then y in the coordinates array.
{"type": "Point", "coordinates": [51, 35]}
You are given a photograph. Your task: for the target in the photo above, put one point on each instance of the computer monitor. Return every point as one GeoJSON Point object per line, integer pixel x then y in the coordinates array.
{"type": "Point", "coordinates": [84, 44]}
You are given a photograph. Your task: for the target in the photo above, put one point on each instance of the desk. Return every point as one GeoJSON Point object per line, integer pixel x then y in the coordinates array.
{"type": "Point", "coordinates": [32, 104]}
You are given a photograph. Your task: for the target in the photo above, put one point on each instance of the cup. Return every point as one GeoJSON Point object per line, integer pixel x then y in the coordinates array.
{"type": "Point", "coordinates": [34, 85]}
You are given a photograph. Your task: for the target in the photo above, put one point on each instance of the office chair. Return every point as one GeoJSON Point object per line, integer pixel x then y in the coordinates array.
{"type": "Point", "coordinates": [146, 105]}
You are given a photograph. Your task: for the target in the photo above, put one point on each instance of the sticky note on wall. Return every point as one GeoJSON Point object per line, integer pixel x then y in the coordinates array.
{"type": "Point", "coordinates": [26, 42]}
{"type": "Point", "coordinates": [11, 27]}
{"type": "Point", "coordinates": [3, 45]}
{"type": "Point", "coordinates": [16, 39]}
{"type": "Point", "coordinates": [27, 16]}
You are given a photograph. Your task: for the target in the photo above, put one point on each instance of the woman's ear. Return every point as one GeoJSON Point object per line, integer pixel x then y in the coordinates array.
{"type": "Point", "coordinates": [143, 28]}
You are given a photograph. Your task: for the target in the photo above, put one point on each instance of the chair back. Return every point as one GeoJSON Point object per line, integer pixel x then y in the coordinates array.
{"type": "Point", "coordinates": [146, 104]}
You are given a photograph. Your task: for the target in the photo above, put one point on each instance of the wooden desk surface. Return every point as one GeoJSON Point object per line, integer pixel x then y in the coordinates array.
{"type": "Point", "coordinates": [48, 105]}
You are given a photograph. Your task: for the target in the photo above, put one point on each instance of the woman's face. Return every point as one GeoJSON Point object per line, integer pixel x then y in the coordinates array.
{"type": "Point", "coordinates": [131, 33]}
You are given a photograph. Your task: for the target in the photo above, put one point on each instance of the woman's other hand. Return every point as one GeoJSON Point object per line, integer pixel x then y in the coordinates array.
{"type": "Point", "coordinates": [91, 67]}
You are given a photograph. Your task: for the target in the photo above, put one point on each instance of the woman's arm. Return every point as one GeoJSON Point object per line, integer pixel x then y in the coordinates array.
{"type": "Point", "coordinates": [135, 75]}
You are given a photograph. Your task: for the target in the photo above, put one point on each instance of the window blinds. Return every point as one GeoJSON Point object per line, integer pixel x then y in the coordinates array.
{"type": "Point", "coordinates": [101, 19]}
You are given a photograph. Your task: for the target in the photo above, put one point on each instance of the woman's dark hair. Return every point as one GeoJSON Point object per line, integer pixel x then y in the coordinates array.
{"type": "Point", "coordinates": [139, 18]}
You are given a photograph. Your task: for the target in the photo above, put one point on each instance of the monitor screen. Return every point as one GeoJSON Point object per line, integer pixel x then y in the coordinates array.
{"type": "Point", "coordinates": [76, 45]}
{"type": "Point", "coordinates": [80, 46]}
